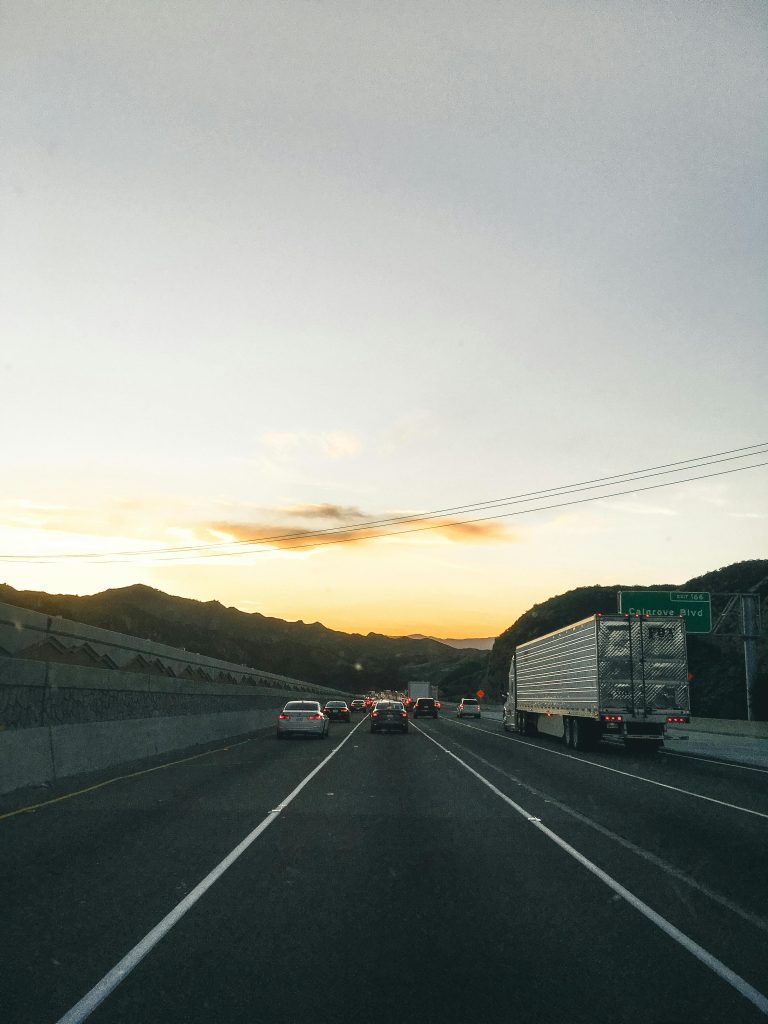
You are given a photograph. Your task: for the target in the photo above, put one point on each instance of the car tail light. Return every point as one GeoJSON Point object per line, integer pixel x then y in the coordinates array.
{"type": "Point", "coordinates": [613, 718]}
{"type": "Point", "coordinates": [374, 714]}
{"type": "Point", "coordinates": [438, 704]}
{"type": "Point", "coordinates": [683, 719]}
{"type": "Point", "coordinates": [316, 718]}
{"type": "Point", "coordinates": [403, 714]}
{"type": "Point", "coordinates": [284, 717]}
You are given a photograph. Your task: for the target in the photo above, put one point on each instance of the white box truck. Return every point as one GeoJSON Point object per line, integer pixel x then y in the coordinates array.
{"type": "Point", "coordinates": [608, 676]}
{"type": "Point", "coordinates": [417, 688]}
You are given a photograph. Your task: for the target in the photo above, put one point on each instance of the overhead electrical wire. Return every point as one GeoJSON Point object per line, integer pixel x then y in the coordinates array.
{"type": "Point", "coordinates": [463, 522]}
{"type": "Point", "coordinates": [596, 482]}
{"type": "Point", "coordinates": [362, 531]}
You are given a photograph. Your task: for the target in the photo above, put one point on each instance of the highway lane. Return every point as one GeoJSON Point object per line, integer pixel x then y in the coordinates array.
{"type": "Point", "coordinates": [364, 877]}
{"type": "Point", "coordinates": [82, 880]}
{"type": "Point", "coordinates": [707, 832]}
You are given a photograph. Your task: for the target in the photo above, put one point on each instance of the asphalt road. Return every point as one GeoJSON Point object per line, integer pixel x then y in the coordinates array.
{"type": "Point", "coordinates": [455, 874]}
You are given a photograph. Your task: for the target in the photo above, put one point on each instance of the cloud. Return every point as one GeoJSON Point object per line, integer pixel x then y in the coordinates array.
{"type": "Point", "coordinates": [339, 445]}
{"type": "Point", "coordinates": [412, 428]}
{"type": "Point", "coordinates": [273, 533]}
{"type": "Point", "coordinates": [641, 509]}
{"type": "Point", "coordinates": [333, 445]}
{"type": "Point", "coordinates": [342, 513]}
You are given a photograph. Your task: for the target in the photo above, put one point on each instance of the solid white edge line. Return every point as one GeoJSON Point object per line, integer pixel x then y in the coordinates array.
{"type": "Point", "coordinates": [85, 1006]}
{"type": "Point", "coordinates": [708, 959]}
{"type": "Point", "coordinates": [646, 855]}
{"type": "Point", "coordinates": [617, 771]}
{"type": "Point", "coordinates": [713, 760]}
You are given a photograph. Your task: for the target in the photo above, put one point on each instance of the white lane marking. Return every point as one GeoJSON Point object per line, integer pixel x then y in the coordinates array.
{"type": "Point", "coordinates": [616, 771]}
{"type": "Point", "coordinates": [85, 1006]}
{"type": "Point", "coordinates": [712, 760]}
{"type": "Point", "coordinates": [652, 858]}
{"type": "Point", "coordinates": [704, 956]}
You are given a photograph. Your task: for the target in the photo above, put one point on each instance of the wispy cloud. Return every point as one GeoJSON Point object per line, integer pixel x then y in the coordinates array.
{"type": "Point", "coordinates": [409, 429]}
{"type": "Point", "coordinates": [341, 513]}
{"type": "Point", "coordinates": [641, 509]}
{"type": "Point", "coordinates": [275, 533]}
{"type": "Point", "coordinates": [333, 445]}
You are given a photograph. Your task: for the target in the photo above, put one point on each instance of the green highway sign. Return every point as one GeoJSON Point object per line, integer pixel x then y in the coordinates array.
{"type": "Point", "coordinates": [695, 607]}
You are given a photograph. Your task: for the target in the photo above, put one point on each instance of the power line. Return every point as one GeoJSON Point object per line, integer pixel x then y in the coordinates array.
{"type": "Point", "coordinates": [221, 548]}
{"type": "Point", "coordinates": [106, 560]}
{"type": "Point", "coordinates": [509, 515]}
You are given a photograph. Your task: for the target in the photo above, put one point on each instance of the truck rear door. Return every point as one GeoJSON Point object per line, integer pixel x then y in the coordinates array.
{"type": "Point", "coordinates": [642, 665]}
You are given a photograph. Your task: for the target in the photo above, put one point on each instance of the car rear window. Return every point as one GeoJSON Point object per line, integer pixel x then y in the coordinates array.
{"type": "Point", "coordinates": [426, 700]}
{"type": "Point", "coordinates": [470, 700]}
{"type": "Point", "coordinates": [336, 704]}
{"type": "Point", "coordinates": [301, 705]}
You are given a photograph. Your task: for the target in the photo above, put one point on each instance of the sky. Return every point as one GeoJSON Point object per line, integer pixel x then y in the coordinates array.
{"type": "Point", "coordinates": [273, 267]}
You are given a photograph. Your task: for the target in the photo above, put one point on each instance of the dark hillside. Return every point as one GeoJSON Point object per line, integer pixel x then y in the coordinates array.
{"type": "Point", "coordinates": [716, 662]}
{"type": "Point", "coordinates": [323, 656]}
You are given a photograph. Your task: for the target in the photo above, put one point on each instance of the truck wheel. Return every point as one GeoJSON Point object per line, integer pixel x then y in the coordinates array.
{"type": "Point", "coordinates": [528, 725]}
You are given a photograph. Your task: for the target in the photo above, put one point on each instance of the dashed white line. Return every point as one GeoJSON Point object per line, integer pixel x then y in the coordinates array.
{"type": "Point", "coordinates": [724, 972]}
{"type": "Point", "coordinates": [85, 1006]}
{"type": "Point", "coordinates": [617, 771]}
{"type": "Point", "coordinates": [679, 876]}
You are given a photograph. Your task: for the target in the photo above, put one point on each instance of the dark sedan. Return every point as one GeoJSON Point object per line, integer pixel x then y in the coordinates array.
{"type": "Point", "coordinates": [388, 715]}
{"type": "Point", "coordinates": [337, 711]}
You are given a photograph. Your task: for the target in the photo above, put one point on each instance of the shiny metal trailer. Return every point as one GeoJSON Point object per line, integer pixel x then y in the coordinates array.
{"type": "Point", "coordinates": [608, 676]}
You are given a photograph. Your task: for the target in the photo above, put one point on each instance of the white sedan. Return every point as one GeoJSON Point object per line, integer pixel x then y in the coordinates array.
{"type": "Point", "coordinates": [302, 718]}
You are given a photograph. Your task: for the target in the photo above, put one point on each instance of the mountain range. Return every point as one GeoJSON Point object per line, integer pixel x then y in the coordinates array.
{"type": "Point", "coordinates": [476, 643]}
{"type": "Point", "coordinates": [310, 651]}
{"type": "Point", "coordinates": [359, 663]}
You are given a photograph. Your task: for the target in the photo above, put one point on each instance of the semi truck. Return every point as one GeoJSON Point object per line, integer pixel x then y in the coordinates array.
{"type": "Point", "coordinates": [417, 688]}
{"type": "Point", "coordinates": [623, 677]}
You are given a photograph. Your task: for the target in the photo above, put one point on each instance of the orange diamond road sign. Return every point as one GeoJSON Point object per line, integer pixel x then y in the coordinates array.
{"type": "Point", "coordinates": [480, 694]}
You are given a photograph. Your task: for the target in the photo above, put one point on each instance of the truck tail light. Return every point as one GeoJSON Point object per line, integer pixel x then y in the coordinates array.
{"type": "Point", "coordinates": [613, 718]}
{"type": "Point", "coordinates": [682, 719]}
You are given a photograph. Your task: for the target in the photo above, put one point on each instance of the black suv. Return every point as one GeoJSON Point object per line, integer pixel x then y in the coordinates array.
{"type": "Point", "coordinates": [425, 706]}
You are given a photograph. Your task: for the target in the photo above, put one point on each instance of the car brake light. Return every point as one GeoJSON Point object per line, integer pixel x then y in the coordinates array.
{"type": "Point", "coordinates": [374, 714]}
{"type": "Point", "coordinates": [315, 718]}
{"type": "Point", "coordinates": [284, 717]}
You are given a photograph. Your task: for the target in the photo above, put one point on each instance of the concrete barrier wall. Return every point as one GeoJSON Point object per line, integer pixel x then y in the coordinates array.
{"type": "Point", "coordinates": [127, 699]}
{"type": "Point", "coordinates": [726, 726]}
{"type": "Point", "coordinates": [33, 636]}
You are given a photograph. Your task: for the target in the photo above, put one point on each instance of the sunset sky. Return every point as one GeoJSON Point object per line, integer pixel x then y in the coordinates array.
{"type": "Point", "coordinates": [273, 267]}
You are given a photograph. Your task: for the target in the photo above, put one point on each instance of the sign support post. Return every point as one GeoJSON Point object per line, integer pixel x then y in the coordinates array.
{"type": "Point", "coordinates": [749, 621]}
